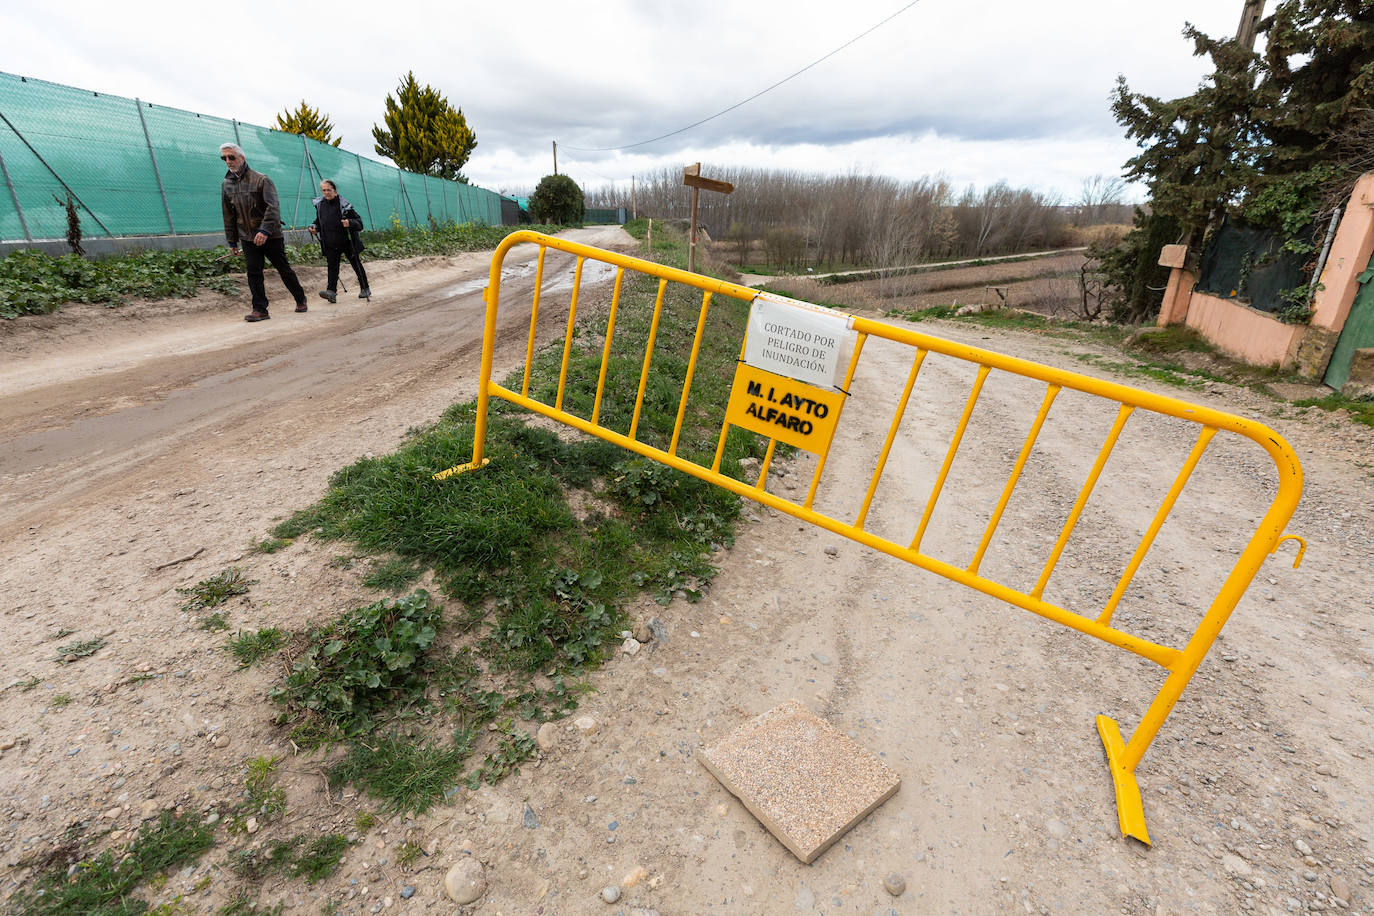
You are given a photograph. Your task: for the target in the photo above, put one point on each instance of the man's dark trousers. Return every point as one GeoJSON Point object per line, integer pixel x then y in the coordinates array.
{"type": "Point", "coordinates": [273, 250]}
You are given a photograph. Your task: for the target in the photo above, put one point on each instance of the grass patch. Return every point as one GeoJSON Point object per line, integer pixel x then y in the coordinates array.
{"type": "Point", "coordinates": [214, 591]}
{"type": "Point", "coordinates": [34, 283]}
{"type": "Point", "coordinates": [105, 885]}
{"type": "Point", "coordinates": [271, 545]}
{"type": "Point", "coordinates": [1361, 410]}
{"type": "Point", "coordinates": [314, 860]}
{"type": "Point", "coordinates": [251, 646]}
{"type": "Point", "coordinates": [405, 773]}
{"type": "Point", "coordinates": [61, 700]}
{"type": "Point", "coordinates": [537, 554]}
{"type": "Point", "coordinates": [392, 575]}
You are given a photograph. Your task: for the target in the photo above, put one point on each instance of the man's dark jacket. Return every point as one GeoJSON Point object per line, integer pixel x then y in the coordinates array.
{"type": "Point", "coordinates": [250, 206]}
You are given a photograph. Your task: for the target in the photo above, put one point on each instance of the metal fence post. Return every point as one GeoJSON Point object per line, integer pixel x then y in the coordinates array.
{"type": "Point", "coordinates": [156, 172]}
{"type": "Point", "coordinates": [23, 224]}
{"type": "Point", "coordinates": [54, 174]}
{"type": "Point", "coordinates": [366, 202]}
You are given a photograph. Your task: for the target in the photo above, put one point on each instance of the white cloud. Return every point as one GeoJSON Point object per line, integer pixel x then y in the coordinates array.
{"type": "Point", "coordinates": [976, 90]}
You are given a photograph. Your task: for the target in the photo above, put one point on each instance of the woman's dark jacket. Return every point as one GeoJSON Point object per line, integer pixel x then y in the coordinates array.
{"type": "Point", "coordinates": [336, 236]}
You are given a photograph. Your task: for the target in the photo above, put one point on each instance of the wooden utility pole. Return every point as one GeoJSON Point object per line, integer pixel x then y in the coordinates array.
{"type": "Point", "coordinates": [691, 176]}
{"type": "Point", "coordinates": [1249, 23]}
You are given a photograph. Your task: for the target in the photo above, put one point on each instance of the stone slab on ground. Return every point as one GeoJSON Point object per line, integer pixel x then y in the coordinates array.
{"type": "Point", "coordinates": [804, 781]}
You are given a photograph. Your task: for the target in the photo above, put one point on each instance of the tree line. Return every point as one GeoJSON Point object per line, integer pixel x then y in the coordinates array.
{"type": "Point", "coordinates": [797, 220]}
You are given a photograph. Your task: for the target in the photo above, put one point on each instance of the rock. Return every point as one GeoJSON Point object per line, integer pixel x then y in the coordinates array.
{"type": "Point", "coordinates": [251, 825]}
{"type": "Point", "coordinates": [1325, 770]}
{"type": "Point", "coordinates": [221, 741]}
{"type": "Point", "coordinates": [1301, 846]}
{"type": "Point", "coordinates": [1235, 865]}
{"type": "Point", "coordinates": [634, 877]}
{"type": "Point", "coordinates": [832, 551]}
{"type": "Point", "coordinates": [529, 820]}
{"type": "Point", "coordinates": [585, 724]}
{"type": "Point", "coordinates": [821, 657]}
{"type": "Point", "coordinates": [641, 631]}
{"type": "Point", "coordinates": [465, 881]}
{"type": "Point", "coordinates": [1340, 888]}
{"type": "Point", "coordinates": [894, 884]}
{"type": "Point", "coordinates": [610, 893]}
{"type": "Point", "coordinates": [630, 646]}
{"type": "Point", "coordinates": [407, 892]}
{"type": "Point", "coordinates": [658, 630]}
{"type": "Point", "coordinates": [547, 736]}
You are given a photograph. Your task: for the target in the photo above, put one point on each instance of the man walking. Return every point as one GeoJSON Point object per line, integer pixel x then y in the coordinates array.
{"type": "Point", "coordinates": [252, 213]}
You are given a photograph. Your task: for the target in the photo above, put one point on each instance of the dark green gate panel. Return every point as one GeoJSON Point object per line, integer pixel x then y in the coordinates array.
{"type": "Point", "coordinates": [1357, 333]}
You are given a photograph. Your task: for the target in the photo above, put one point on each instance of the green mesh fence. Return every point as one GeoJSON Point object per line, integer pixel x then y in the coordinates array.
{"type": "Point", "coordinates": [136, 169]}
{"type": "Point", "coordinates": [1249, 264]}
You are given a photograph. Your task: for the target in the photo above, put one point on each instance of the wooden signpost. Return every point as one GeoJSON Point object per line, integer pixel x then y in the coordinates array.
{"type": "Point", "coordinates": [691, 176]}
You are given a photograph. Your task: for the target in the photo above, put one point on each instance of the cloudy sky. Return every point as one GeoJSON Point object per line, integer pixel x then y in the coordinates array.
{"type": "Point", "coordinates": [976, 91]}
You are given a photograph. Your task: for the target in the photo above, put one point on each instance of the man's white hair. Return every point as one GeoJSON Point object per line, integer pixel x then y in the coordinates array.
{"type": "Point", "coordinates": [233, 146]}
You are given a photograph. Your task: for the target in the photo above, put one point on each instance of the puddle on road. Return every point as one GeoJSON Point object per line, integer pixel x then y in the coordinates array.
{"type": "Point", "coordinates": [592, 272]}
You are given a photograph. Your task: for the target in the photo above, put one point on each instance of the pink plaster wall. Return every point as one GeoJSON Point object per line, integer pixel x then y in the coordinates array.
{"type": "Point", "coordinates": [1349, 256]}
{"type": "Point", "coordinates": [1243, 332]}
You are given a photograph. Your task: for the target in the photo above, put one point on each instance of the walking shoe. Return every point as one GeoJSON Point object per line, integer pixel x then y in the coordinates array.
{"type": "Point", "coordinates": [255, 315]}
{"type": "Point", "coordinates": [302, 307]}
{"type": "Point", "coordinates": [329, 294]}
{"type": "Point", "coordinates": [364, 293]}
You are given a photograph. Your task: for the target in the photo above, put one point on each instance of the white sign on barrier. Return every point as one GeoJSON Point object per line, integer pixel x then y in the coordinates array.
{"type": "Point", "coordinates": [797, 340]}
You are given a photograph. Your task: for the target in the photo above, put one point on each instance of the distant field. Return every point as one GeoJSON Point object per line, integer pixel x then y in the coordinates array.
{"type": "Point", "coordinates": [1048, 286]}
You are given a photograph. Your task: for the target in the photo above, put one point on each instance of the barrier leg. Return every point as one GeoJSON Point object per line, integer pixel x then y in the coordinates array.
{"type": "Point", "coordinates": [1130, 810]}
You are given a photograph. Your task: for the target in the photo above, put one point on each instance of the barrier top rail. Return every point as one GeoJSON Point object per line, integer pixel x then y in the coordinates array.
{"type": "Point", "coordinates": [816, 409]}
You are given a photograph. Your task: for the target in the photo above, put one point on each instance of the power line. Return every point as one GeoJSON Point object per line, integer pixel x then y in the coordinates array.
{"type": "Point", "coordinates": [612, 149]}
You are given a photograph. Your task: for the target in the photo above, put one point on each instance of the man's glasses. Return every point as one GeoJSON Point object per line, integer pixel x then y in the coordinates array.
{"type": "Point", "coordinates": [229, 158]}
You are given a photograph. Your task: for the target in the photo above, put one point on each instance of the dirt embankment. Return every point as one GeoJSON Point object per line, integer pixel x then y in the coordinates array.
{"type": "Point", "coordinates": [146, 450]}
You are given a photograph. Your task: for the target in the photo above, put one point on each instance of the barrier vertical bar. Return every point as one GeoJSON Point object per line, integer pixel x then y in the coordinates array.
{"type": "Point", "coordinates": [534, 322]}
{"type": "Point", "coordinates": [691, 370]}
{"type": "Point", "coordinates": [825, 456]}
{"type": "Point", "coordinates": [996, 518]}
{"type": "Point", "coordinates": [953, 450]}
{"type": "Point", "coordinates": [606, 348]}
{"type": "Point", "coordinates": [156, 173]}
{"type": "Point", "coordinates": [648, 356]}
{"type": "Point", "coordinates": [891, 435]}
{"type": "Point", "coordinates": [1122, 414]}
{"type": "Point", "coordinates": [567, 338]}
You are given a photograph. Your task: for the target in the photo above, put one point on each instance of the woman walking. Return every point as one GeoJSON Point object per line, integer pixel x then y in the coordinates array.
{"type": "Point", "coordinates": [338, 227]}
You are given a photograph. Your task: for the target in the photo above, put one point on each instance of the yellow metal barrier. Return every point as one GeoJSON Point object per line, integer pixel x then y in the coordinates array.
{"type": "Point", "coordinates": [1180, 663]}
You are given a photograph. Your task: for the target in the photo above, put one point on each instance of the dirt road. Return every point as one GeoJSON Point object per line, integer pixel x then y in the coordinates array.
{"type": "Point", "coordinates": [134, 440]}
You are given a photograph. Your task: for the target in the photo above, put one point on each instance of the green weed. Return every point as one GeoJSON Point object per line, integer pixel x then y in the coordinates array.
{"type": "Point", "coordinates": [72, 651]}
{"type": "Point", "coordinates": [214, 591]}
{"type": "Point", "coordinates": [104, 886]}
{"type": "Point", "coordinates": [367, 661]}
{"type": "Point", "coordinates": [215, 623]}
{"type": "Point", "coordinates": [251, 646]}
{"type": "Point", "coordinates": [61, 700]}
{"type": "Point", "coordinates": [263, 798]}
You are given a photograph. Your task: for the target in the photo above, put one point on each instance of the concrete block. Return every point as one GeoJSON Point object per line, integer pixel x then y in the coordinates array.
{"type": "Point", "coordinates": [1361, 381]}
{"type": "Point", "coordinates": [804, 781]}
